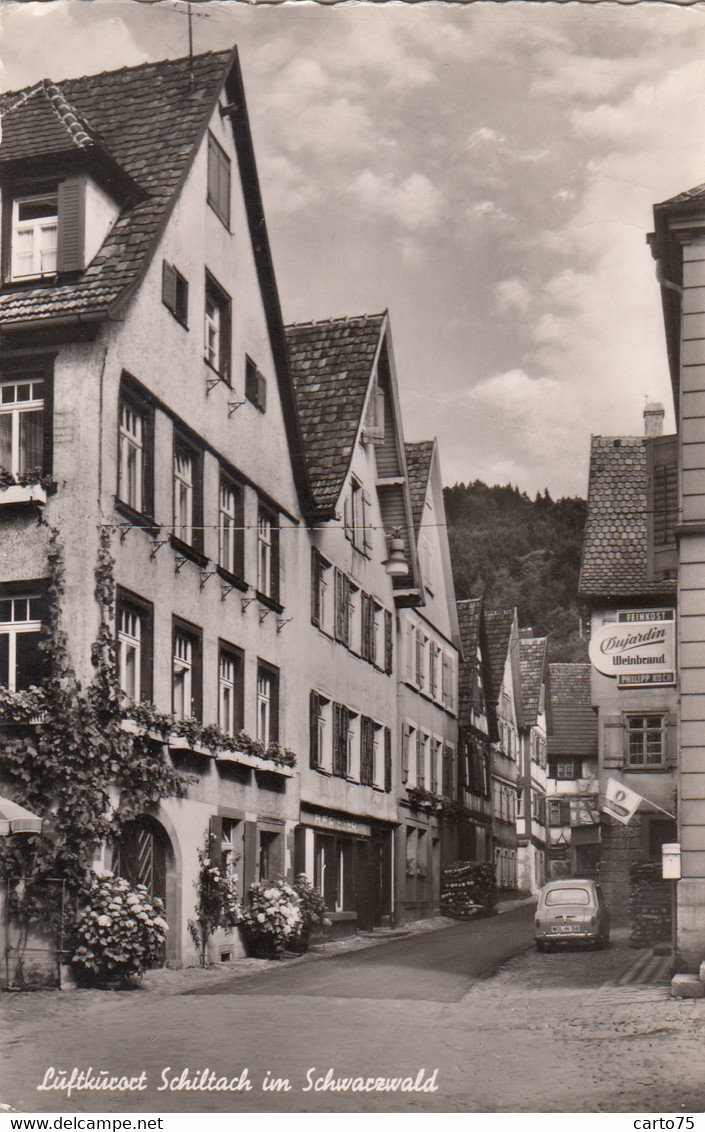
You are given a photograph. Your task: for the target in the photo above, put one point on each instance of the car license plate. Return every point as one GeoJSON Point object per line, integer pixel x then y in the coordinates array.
{"type": "Point", "coordinates": [563, 928]}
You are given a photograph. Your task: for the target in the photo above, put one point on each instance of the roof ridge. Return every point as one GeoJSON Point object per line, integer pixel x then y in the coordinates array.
{"type": "Point", "coordinates": [69, 118]}
{"type": "Point", "coordinates": [331, 321]}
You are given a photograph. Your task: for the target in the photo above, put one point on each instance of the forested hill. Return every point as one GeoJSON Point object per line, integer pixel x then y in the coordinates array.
{"type": "Point", "coordinates": [520, 552]}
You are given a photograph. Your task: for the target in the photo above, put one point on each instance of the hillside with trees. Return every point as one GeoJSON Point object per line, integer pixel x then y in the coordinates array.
{"type": "Point", "coordinates": [517, 551]}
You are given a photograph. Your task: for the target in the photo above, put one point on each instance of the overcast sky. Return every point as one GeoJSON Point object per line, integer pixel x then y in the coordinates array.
{"type": "Point", "coordinates": [486, 172]}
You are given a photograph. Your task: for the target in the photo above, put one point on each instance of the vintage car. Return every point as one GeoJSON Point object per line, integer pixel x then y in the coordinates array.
{"type": "Point", "coordinates": [571, 911]}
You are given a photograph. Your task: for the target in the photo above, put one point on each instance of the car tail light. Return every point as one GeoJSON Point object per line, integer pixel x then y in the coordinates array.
{"type": "Point", "coordinates": [538, 922]}
{"type": "Point", "coordinates": [592, 920]}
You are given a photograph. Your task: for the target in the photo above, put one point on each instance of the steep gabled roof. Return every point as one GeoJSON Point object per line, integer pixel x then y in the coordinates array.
{"type": "Point", "coordinates": [147, 122]}
{"type": "Point", "coordinates": [469, 616]}
{"type": "Point", "coordinates": [615, 559]}
{"type": "Point", "coordinates": [532, 665]}
{"type": "Point", "coordinates": [574, 719]}
{"type": "Point", "coordinates": [498, 630]}
{"type": "Point", "coordinates": [150, 119]}
{"type": "Point", "coordinates": [418, 465]}
{"type": "Point", "coordinates": [331, 365]}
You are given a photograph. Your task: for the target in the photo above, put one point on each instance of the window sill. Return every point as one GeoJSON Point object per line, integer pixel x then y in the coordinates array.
{"type": "Point", "coordinates": [660, 768]}
{"type": "Point", "coordinates": [188, 551]}
{"type": "Point", "coordinates": [23, 493]}
{"type": "Point", "coordinates": [138, 518]}
{"type": "Point", "coordinates": [232, 579]}
{"type": "Point", "coordinates": [264, 599]}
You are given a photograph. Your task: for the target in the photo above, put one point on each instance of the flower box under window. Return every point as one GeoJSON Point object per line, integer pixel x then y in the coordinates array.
{"type": "Point", "coordinates": [23, 493]}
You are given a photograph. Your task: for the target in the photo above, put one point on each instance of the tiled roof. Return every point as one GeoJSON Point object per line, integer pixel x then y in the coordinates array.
{"type": "Point", "coordinates": [532, 657]}
{"type": "Point", "coordinates": [418, 466]}
{"type": "Point", "coordinates": [570, 684]}
{"type": "Point", "coordinates": [574, 730]}
{"type": "Point", "coordinates": [469, 613]}
{"type": "Point", "coordinates": [40, 121]}
{"type": "Point", "coordinates": [331, 366]}
{"type": "Point", "coordinates": [149, 119]}
{"type": "Point", "coordinates": [615, 542]}
{"type": "Point", "coordinates": [498, 628]}
{"type": "Point", "coordinates": [689, 194]}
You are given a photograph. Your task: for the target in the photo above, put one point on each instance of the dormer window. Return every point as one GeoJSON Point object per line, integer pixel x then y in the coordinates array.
{"type": "Point", "coordinates": [35, 230]}
{"type": "Point", "coordinates": [54, 228]}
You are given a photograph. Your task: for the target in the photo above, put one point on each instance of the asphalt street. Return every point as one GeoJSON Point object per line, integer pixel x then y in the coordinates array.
{"type": "Point", "coordinates": [471, 1010]}
{"type": "Point", "coordinates": [438, 967]}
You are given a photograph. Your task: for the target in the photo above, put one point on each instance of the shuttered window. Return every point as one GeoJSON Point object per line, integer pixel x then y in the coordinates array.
{"type": "Point", "coordinates": [367, 752]}
{"type": "Point", "coordinates": [175, 292]}
{"type": "Point", "coordinates": [70, 248]}
{"type": "Point", "coordinates": [218, 180]}
{"type": "Point", "coordinates": [314, 747]}
{"type": "Point", "coordinates": [255, 385]}
{"type": "Point", "coordinates": [342, 608]}
{"type": "Point", "coordinates": [388, 642]}
{"type": "Point", "coordinates": [420, 759]}
{"type": "Point", "coordinates": [405, 753]}
{"type": "Point", "coordinates": [340, 740]}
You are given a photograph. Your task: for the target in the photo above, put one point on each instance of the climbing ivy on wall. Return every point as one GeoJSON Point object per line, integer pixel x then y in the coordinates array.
{"type": "Point", "coordinates": [77, 766]}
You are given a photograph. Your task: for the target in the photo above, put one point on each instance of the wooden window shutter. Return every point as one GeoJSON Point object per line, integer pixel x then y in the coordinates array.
{"type": "Point", "coordinates": [347, 520]}
{"type": "Point", "coordinates": [340, 740]}
{"type": "Point", "coordinates": [215, 830]}
{"type": "Point", "coordinates": [336, 739]}
{"type": "Point", "coordinates": [433, 668]}
{"type": "Point", "coordinates": [387, 760]}
{"type": "Point", "coordinates": [367, 753]}
{"type": "Point", "coordinates": [70, 249]}
{"type": "Point", "coordinates": [197, 676]}
{"type": "Point", "coordinates": [315, 587]}
{"type": "Point", "coordinates": [447, 772]}
{"type": "Point", "coordinates": [366, 535]}
{"type": "Point", "coordinates": [342, 607]}
{"type": "Point", "coordinates": [420, 770]}
{"type": "Point", "coordinates": [248, 865]}
{"type": "Point", "coordinates": [276, 563]}
{"type": "Point", "coordinates": [671, 739]}
{"type": "Point", "coordinates": [338, 604]}
{"type": "Point", "coordinates": [388, 642]}
{"type": "Point", "coordinates": [315, 754]}
{"type": "Point", "coordinates": [405, 753]}
{"type": "Point", "coordinates": [169, 286]}
{"type": "Point", "coordinates": [367, 624]}
{"type": "Point", "coordinates": [274, 709]}
{"type": "Point", "coordinates": [419, 656]}
{"type": "Point", "coordinates": [146, 656]}
{"type": "Point", "coordinates": [345, 609]}
{"type": "Point", "coordinates": [433, 779]}
{"type": "Point", "coordinates": [261, 392]}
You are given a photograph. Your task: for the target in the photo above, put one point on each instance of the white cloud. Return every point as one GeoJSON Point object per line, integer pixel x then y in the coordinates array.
{"type": "Point", "coordinates": [414, 203]}
{"type": "Point", "coordinates": [513, 295]}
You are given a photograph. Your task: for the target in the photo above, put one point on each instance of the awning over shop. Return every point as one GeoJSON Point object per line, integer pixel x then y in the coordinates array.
{"type": "Point", "coordinates": [16, 819]}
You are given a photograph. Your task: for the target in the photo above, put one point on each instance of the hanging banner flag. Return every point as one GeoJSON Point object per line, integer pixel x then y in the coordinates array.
{"type": "Point", "coordinates": [619, 801]}
{"type": "Point", "coordinates": [639, 648]}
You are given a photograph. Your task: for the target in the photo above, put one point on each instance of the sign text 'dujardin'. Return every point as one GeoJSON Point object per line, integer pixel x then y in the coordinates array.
{"type": "Point", "coordinates": [639, 648]}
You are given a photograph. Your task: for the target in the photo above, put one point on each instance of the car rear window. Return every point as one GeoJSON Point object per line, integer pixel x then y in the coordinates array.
{"type": "Point", "coordinates": [567, 896]}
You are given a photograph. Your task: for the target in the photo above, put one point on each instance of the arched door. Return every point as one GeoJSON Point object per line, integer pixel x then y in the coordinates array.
{"type": "Point", "coordinates": [140, 856]}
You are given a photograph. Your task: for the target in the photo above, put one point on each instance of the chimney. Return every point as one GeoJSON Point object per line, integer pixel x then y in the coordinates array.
{"type": "Point", "coordinates": [653, 418]}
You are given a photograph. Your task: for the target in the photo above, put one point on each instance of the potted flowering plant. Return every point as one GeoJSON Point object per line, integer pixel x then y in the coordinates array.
{"type": "Point", "coordinates": [217, 904]}
{"type": "Point", "coordinates": [272, 919]}
{"type": "Point", "coordinates": [119, 932]}
{"type": "Point", "coordinates": [313, 910]}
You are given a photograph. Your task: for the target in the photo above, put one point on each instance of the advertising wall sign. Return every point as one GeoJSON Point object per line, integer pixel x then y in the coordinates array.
{"type": "Point", "coordinates": [639, 648]}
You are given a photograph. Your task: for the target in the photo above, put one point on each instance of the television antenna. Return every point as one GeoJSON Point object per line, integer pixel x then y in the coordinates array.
{"type": "Point", "coordinates": [191, 15]}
